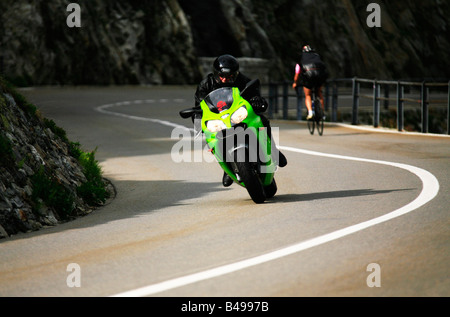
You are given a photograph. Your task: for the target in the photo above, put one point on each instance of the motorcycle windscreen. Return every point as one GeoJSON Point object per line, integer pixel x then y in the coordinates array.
{"type": "Point", "coordinates": [220, 99]}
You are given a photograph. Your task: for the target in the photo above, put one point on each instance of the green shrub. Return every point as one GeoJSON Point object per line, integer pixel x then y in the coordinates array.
{"type": "Point", "coordinates": [93, 191]}
{"type": "Point", "coordinates": [21, 101]}
{"type": "Point", "coordinates": [55, 129]}
{"type": "Point", "coordinates": [47, 190]}
{"type": "Point", "coordinates": [75, 150]}
{"type": "Point", "coordinates": [52, 194]}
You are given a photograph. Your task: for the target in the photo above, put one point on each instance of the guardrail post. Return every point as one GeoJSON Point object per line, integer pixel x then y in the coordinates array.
{"type": "Point", "coordinates": [327, 94]}
{"type": "Point", "coordinates": [334, 102]}
{"type": "Point", "coordinates": [424, 106]}
{"type": "Point", "coordinates": [285, 100]}
{"type": "Point", "coordinates": [386, 96]}
{"type": "Point", "coordinates": [355, 100]}
{"type": "Point", "coordinates": [376, 104]}
{"type": "Point", "coordinates": [448, 108]}
{"type": "Point", "coordinates": [400, 120]}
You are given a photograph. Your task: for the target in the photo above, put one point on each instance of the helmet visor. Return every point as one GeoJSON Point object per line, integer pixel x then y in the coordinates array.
{"type": "Point", "coordinates": [227, 77]}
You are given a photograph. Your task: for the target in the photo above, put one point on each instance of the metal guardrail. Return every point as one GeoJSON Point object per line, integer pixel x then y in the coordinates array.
{"type": "Point", "coordinates": [331, 90]}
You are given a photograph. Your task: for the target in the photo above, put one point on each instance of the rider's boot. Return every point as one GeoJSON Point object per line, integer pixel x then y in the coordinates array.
{"type": "Point", "coordinates": [226, 180]}
{"type": "Point", "coordinates": [277, 156]}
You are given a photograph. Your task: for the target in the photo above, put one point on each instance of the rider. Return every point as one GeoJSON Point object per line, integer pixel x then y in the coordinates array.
{"type": "Point", "coordinates": [226, 74]}
{"type": "Point", "coordinates": [310, 72]}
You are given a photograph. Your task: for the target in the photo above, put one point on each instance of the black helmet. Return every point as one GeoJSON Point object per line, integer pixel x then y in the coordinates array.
{"type": "Point", "coordinates": [226, 69]}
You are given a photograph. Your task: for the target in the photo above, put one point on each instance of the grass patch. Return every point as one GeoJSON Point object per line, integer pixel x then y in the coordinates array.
{"type": "Point", "coordinates": [55, 129]}
{"type": "Point", "coordinates": [49, 192]}
{"type": "Point", "coordinates": [74, 147]}
{"type": "Point", "coordinates": [21, 101]}
{"type": "Point", "coordinates": [93, 191]}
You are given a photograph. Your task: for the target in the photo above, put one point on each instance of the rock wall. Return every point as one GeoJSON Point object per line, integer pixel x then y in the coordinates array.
{"type": "Point", "coordinates": [119, 42]}
{"type": "Point", "coordinates": [39, 176]}
{"type": "Point", "coordinates": [162, 41]}
{"type": "Point", "coordinates": [410, 42]}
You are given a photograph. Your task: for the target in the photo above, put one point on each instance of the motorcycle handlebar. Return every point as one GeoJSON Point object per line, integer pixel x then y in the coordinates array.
{"type": "Point", "coordinates": [187, 113]}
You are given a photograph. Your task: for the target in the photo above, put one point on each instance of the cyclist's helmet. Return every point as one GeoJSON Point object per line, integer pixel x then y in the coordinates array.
{"type": "Point", "coordinates": [226, 69]}
{"type": "Point", "coordinates": [307, 49]}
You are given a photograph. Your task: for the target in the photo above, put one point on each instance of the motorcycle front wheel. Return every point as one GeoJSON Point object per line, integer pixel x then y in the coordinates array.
{"type": "Point", "coordinates": [271, 190]}
{"type": "Point", "coordinates": [251, 180]}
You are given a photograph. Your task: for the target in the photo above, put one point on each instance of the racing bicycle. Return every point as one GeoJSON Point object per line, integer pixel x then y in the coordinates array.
{"type": "Point", "coordinates": [318, 115]}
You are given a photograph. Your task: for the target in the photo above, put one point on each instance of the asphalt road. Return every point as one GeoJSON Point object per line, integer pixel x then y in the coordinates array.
{"type": "Point", "coordinates": [357, 213]}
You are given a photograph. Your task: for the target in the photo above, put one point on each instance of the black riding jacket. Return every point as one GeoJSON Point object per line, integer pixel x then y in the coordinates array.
{"type": "Point", "coordinates": [209, 84]}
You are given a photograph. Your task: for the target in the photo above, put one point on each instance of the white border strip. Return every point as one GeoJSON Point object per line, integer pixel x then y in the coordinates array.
{"type": "Point", "coordinates": [430, 188]}
{"type": "Point", "coordinates": [386, 130]}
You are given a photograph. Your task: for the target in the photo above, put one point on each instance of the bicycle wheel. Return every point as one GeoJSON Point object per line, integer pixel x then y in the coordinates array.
{"type": "Point", "coordinates": [320, 125]}
{"type": "Point", "coordinates": [311, 125]}
{"type": "Point", "coordinates": [318, 117]}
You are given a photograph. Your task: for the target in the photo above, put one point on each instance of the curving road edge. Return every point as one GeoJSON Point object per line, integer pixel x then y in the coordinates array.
{"type": "Point", "coordinates": [430, 188]}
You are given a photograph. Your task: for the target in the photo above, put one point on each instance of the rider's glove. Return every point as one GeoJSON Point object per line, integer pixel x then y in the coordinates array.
{"type": "Point", "coordinates": [259, 104]}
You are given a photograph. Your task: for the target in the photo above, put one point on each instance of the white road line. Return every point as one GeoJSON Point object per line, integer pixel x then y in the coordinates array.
{"type": "Point", "coordinates": [430, 188]}
{"type": "Point", "coordinates": [103, 109]}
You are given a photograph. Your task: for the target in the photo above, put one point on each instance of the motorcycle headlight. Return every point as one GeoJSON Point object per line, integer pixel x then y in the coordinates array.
{"type": "Point", "coordinates": [239, 115]}
{"type": "Point", "coordinates": [215, 125]}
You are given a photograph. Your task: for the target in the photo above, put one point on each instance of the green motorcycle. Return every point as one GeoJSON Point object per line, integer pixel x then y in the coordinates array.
{"type": "Point", "coordinates": [238, 139]}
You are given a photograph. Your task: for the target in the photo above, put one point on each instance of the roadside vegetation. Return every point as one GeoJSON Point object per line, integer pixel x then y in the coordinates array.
{"type": "Point", "coordinates": [47, 189]}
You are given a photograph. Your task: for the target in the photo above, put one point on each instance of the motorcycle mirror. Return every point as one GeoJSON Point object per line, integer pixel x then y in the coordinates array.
{"type": "Point", "coordinates": [187, 113]}
{"type": "Point", "coordinates": [251, 89]}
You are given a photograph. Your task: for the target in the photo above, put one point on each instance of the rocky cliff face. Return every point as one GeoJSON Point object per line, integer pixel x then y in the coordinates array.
{"type": "Point", "coordinates": [119, 42]}
{"type": "Point", "coordinates": [161, 41]}
{"type": "Point", "coordinates": [41, 181]}
{"type": "Point", "coordinates": [410, 41]}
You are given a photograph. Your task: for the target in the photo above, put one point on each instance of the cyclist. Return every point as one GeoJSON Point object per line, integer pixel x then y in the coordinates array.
{"type": "Point", "coordinates": [310, 72]}
{"type": "Point", "coordinates": [226, 74]}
